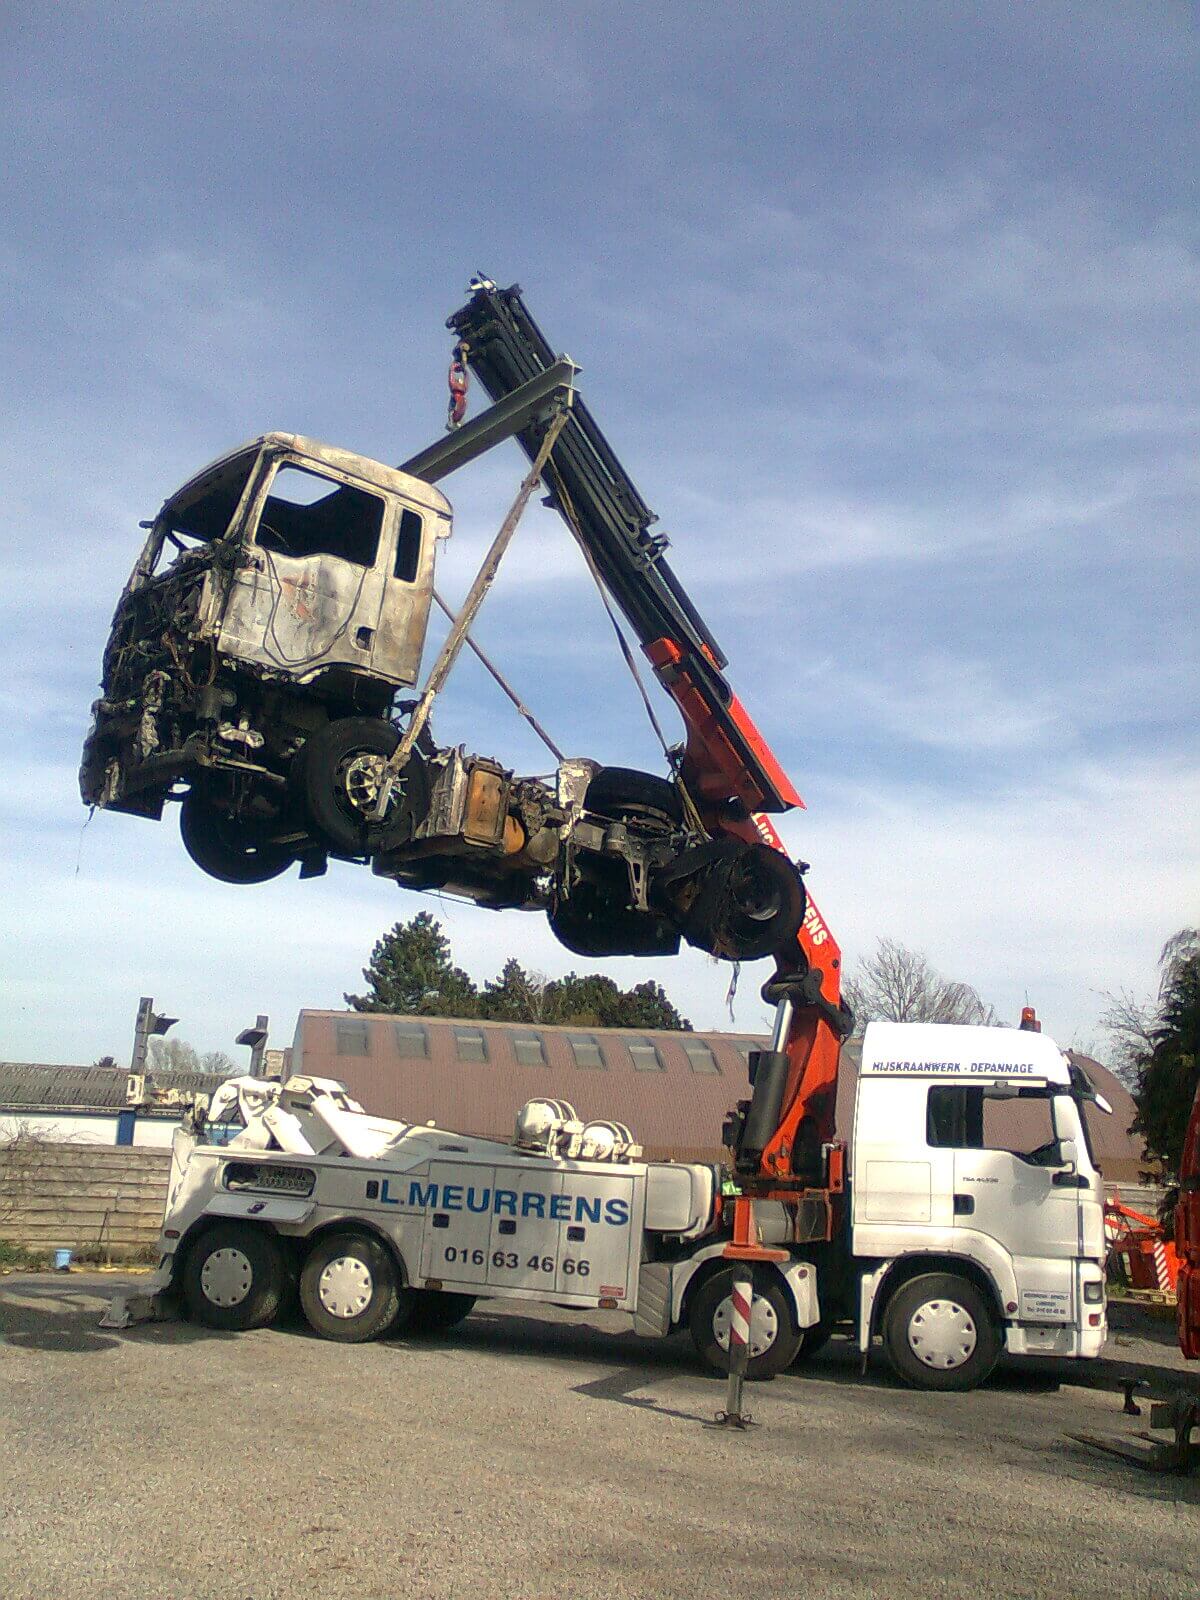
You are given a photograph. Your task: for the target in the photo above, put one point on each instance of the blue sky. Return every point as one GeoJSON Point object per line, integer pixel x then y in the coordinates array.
{"type": "Point", "coordinates": [892, 314]}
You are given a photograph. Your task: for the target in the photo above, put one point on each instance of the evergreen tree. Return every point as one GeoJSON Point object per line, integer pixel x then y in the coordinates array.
{"type": "Point", "coordinates": [410, 972]}
{"type": "Point", "coordinates": [516, 995]}
{"type": "Point", "coordinates": [1168, 1069]}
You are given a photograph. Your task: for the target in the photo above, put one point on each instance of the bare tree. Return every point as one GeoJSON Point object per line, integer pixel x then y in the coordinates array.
{"type": "Point", "coordinates": [177, 1055]}
{"type": "Point", "coordinates": [23, 1154]}
{"type": "Point", "coordinates": [1129, 1022]}
{"type": "Point", "coordinates": [897, 984]}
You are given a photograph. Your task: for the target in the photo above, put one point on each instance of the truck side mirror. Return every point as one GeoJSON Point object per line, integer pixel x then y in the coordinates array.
{"type": "Point", "coordinates": [1068, 1155]}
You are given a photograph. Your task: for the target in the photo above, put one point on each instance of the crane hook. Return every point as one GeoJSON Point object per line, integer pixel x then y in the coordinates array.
{"type": "Point", "coordinates": [458, 379]}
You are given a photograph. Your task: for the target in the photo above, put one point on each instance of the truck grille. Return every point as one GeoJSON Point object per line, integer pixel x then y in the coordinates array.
{"type": "Point", "coordinates": [240, 1175]}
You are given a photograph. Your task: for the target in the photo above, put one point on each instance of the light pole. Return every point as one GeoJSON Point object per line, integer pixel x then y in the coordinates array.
{"type": "Point", "coordinates": [256, 1038]}
{"type": "Point", "coordinates": [149, 1025]}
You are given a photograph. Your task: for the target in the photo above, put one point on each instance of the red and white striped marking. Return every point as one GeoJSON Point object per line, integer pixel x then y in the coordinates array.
{"type": "Point", "coordinates": [1161, 1271]}
{"type": "Point", "coordinates": [739, 1320]}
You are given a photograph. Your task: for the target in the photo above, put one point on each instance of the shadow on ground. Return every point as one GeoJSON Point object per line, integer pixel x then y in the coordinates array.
{"type": "Point", "coordinates": [58, 1316]}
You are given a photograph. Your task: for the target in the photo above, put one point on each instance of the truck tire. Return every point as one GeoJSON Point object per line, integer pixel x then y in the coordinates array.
{"type": "Point", "coordinates": [747, 906]}
{"type": "Point", "coordinates": [234, 1277]}
{"type": "Point", "coordinates": [597, 919]}
{"type": "Point", "coordinates": [627, 795]}
{"type": "Point", "coordinates": [435, 1311]}
{"type": "Point", "coordinates": [338, 773]}
{"type": "Point", "coordinates": [774, 1337]}
{"type": "Point", "coordinates": [350, 1289]}
{"type": "Point", "coordinates": [228, 848]}
{"type": "Point", "coordinates": [939, 1333]}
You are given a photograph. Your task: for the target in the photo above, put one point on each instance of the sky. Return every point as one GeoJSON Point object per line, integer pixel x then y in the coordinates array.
{"type": "Point", "coordinates": [891, 313]}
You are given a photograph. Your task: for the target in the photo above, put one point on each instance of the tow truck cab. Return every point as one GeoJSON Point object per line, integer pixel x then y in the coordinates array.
{"type": "Point", "coordinates": [971, 1155]}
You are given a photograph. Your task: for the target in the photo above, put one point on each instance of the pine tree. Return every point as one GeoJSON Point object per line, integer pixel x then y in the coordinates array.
{"type": "Point", "coordinates": [410, 972]}
{"type": "Point", "coordinates": [1168, 1070]}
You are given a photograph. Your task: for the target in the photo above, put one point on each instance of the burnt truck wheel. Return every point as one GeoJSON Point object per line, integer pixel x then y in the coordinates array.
{"type": "Point", "coordinates": [596, 919]}
{"type": "Point", "coordinates": [748, 905]}
{"type": "Point", "coordinates": [234, 1277]}
{"type": "Point", "coordinates": [350, 1289]}
{"type": "Point", "coordinates": [340, 772]}
{"type": "Point", "coordinates": [230, 848]}
{"type": "Point", "coordinates": [774, 1338]}
{"type": "Point", "coordinates": [939, 1333]}
{"type": "Point", "coordinates": [628, 795]}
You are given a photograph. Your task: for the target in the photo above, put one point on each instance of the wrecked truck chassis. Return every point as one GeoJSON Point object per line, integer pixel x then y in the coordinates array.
{"type": "Point", "coordinates": [253, 672]}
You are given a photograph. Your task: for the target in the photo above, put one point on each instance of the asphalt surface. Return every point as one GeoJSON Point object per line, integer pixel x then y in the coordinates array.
{"type": "Point", "coordinates": [538, 1460]}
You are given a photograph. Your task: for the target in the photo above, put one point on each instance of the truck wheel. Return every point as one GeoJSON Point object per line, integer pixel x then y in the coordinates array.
{"type": "Point", "coordinates": [939, 1333]}
{"type": "Point", "coordinates": [774, 1337]}
{"type": "Point", "coordinates": [628, 795]}
{"type": "Point", "coordinates": [340, 770]}
{"type": "Point", "coordinates": [350, 1289]}
{"type": "Point", "coordinates": [434, 1310]}
{"type": "Point", "coordinates": [597, 919]}
{"type": "Point", "coordinates": [234, 1277]}
{"type": "Point", "coordinates": [747, 906]}
{"type": "Point", "coordinates": [227, 847]}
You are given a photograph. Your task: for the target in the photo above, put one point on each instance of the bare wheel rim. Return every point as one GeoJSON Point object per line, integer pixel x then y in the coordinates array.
{"type": "Point", "coordinates": [942, 1334]}
{"type": "Point", "coordinates": [764, 1324]}
{"type": "Point", "coordinates": [226, 1277]}
{"type": "Point", "coordinates": [345, 1287]}
{"type": "Point", "coordinates": [361, 777]}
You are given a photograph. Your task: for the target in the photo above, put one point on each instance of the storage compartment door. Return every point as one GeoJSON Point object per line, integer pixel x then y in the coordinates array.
{"type": "Point", "coordinates": [456, 1235]}
{"type": "Point", "coordinates": [524, 1236]}
{"type": "Point", "coordinates": [600, 1222]}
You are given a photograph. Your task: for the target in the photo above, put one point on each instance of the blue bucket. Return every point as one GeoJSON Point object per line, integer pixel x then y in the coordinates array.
{"type": "Point", "coordinates": [62, 1260]}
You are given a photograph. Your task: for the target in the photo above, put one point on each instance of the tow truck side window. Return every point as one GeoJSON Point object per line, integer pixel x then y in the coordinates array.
{"type": "Point", "coordinates": [307, 514]}
{"type": "Point", "coordinates": [960, 1117]}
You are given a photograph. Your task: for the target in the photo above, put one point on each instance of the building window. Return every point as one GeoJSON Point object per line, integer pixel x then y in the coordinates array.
{"type": "Point", "coordinates": [585, 1047]}
{"type": "Point", "coordinates": [470, 1044]}
{"type": "Point", "coordinates": [745, 1046]}
{"type": "Point", "coordinates": [645, 1055]}
{"type": "Point", "coordinates": [528, 1049]}
{"type": "Point", "coordinates": [352, 1037]}
{"type": "Point", "coordinates": [412, 1041]}
{"type": "Point", "coordinates": [700, 1057]}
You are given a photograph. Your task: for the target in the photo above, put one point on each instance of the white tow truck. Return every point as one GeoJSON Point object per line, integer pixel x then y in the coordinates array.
{"type": "Point", "coordinates": [954, 1240]}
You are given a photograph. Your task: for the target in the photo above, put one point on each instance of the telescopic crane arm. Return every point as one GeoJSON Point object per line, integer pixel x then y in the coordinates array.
{"type": "Point", "coordinates": [784, 1136]}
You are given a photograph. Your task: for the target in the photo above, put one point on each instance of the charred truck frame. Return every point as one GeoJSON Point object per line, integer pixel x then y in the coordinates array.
{"type": "Point", "coordinates": [260, 653]}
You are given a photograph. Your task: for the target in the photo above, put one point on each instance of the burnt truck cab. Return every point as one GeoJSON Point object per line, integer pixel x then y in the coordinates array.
{"type": "Point", "coordinates": [282, 590]}
{"type": "Point", "coordinates": [255, 672]}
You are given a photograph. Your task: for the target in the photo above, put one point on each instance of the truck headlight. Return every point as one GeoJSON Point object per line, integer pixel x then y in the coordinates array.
{"type": "Point", "coordinates": [1093, 1293]}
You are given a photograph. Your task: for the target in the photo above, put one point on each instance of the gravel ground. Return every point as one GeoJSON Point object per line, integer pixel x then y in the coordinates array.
{"type": "Point", "coordinates": [514, 1458]}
